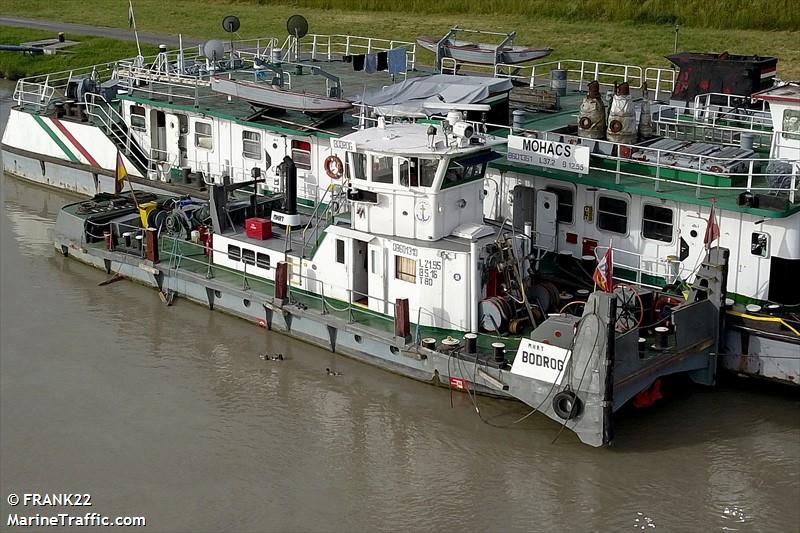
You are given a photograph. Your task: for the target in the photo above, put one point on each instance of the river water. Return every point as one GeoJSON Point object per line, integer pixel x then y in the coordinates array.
{"type": "Point", "coordinates": [169, 413]}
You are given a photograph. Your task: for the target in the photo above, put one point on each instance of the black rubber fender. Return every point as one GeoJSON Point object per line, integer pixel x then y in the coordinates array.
{"type": "Point", "coordinates": [567, 405]}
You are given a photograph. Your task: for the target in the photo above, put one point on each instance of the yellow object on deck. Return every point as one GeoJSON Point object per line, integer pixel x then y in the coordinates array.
{"type": "Point", "coordinates": [144, 211]}
{"type": "Point", "coordinates": [765, 319]}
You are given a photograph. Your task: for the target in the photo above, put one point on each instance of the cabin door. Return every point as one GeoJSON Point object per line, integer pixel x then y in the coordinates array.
{"type": "Point", "coordinates": [177, 126]}
{"type": "Point", "coordinates": [524, 205]}
{"type": "Point", "coordinates": [693, 231]}
{"type": "Point", "coordinates": [546, 213]}
{"type": "Point", "coordinates": [360, 274]}
{"type": "Point", "coordinates": [158, 136]}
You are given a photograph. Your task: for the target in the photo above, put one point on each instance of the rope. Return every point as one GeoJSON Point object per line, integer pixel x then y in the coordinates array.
{"type": "Point", "coordinates": [773, 319]}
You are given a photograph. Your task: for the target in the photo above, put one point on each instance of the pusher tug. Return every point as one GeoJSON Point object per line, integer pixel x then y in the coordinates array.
{"type": "Point", "coordinates": [403, 272]}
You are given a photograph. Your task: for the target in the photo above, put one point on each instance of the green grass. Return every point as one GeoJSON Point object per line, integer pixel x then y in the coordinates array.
{"type": "Point", "coordinates": [91, 50]}
{"type": "Point", "coordinates": [727, 14]}
{"type": "Point", "coordinates": [592, 32]}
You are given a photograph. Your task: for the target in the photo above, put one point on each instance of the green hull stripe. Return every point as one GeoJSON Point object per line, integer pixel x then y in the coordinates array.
{"type": "Point", "coordinates": [55, 138]}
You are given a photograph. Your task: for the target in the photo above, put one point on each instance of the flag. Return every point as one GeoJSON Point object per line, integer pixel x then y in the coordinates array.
{"type": "Point", "coordinates": [130, 14]}
{"type": "Point", "coordinates": [712, 229]}
{"type": "Point", "coordinates": [603, 273]}
{"type": "Point", "coordinates": [120, 174]}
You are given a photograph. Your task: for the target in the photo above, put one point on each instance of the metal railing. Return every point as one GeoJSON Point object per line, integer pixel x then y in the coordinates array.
{"type": "Point", "coordinates": [580, 72]}
{"type": "Point", "coordinates": [669, 269]}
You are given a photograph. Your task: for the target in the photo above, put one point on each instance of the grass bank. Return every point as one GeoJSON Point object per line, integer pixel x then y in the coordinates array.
{"type": "Point", "coordinates": [572, 37]}
{"type": "Point", "coordinates": [89, 51]}
{"type": "Point", "coordinates": [724, 14]}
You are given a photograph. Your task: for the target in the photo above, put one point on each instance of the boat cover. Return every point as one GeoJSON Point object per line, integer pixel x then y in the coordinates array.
{"type": "Point", "coordinates": [407, 98]}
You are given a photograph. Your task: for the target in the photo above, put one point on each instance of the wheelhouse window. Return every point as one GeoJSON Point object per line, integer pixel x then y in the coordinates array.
{"type": "Point", "coordinates": [138, 121]}
{"type": "Point", "coordinates": [234, 252]}
{"type": "Point", "coordinates": [262, 261]}
{"type": "Point", "coordinates": [340, 251]}
{"type": "Point", "coordinates": [791, 124]}
{"type": "Point", "coordinates": [301, 154]}
{"type": "Point", "coordinates": [612, 214]}
{"type": "Point", "coordinates": [566, 203]}
{"type": "Point", "coordinates": [202, 135]}
{"type": "Point", "coordinates": [657, 223]}
{"type": "Point", "coordinates": [251, 144]}
{"type": "Point", "coordinates": [459, 170]}
{"type": "Point", "coordinates": [382, 169]}
{"type": "Point", "coordinates": [415, 172]}
{"type": "Point", "coordinates": [360, 166]}
{"type": "Point", "coordinates": [405, 268]}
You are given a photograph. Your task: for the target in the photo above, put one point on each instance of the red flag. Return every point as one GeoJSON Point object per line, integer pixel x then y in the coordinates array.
{"type": "Point", "coordinates": [712, 229]}
{"type": "Point", "coordinates": [604, 272]}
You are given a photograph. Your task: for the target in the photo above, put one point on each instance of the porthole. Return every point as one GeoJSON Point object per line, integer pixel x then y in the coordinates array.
{"type": "Point", "coordinates": [394, 349]}
{"type": "Point", "coordinates": [217, 294]}
{"type": "Point", "coordinates": [246, 302]}
{"type": "Point", "coordinates": [693, 233]}
{"type": "Point", "coordinates": [357, 338]}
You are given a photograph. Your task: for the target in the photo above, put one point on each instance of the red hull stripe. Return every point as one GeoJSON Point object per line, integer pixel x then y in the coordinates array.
{"type": "Point", "coordinates": [75, 142]}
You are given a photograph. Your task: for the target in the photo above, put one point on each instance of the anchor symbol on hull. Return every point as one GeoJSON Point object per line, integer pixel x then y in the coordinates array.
{"type": "Point", "coordinates": [421, 213]}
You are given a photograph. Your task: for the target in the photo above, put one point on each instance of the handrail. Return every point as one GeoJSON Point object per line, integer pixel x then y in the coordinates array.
{"type": "Point", "coordinates": [315, 218]}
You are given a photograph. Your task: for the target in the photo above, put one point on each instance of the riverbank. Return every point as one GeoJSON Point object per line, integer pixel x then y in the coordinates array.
{"type": "Point", "coordinates": [89, 51]}
{"type": "Point", "coordinates": [617, 42]}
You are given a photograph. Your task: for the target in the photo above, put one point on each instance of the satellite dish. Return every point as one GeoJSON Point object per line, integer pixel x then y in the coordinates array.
{"type": "Point", "coordinates": [231, 23]}
{"type": "Point", "coordinates": [214, 50]}
{"type": "Point", "coordinates": [297, 26]}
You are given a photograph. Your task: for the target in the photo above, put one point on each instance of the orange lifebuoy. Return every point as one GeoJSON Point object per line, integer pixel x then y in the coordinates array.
{"type": "Point", "coordinates": [334, 167]}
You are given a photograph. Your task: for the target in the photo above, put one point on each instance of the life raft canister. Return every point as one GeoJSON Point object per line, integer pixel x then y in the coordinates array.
{"type": "Point", "coordinates": [334, 167]}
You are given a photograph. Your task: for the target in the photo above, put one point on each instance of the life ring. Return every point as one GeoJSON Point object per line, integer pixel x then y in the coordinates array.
{"type": "Point", "coordinates": [567, 405]}
{"type": "Point", "coordinates": [334, 167]}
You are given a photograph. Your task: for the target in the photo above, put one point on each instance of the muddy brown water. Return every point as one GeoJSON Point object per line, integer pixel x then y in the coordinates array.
{"type": "Point", "coordinates": [169, 413]}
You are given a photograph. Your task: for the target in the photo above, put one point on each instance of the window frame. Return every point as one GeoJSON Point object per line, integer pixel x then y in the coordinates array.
{"type": "Point", "coordinates": [261, 262]}
{"type": "Point", "coordinates": [248, 256]}
{"type": "Point", "coordinates": [143, 115]}
{"type": "Point", "coordinates": [300, 162]}
{"type": "Point", "coordinates": [376, 160]}
{"type": "Point", "coordinates": [248, 154]}
{"type": "Point", "coordinates": [234, 253]}
{"type": "Point", "coordinates": [198, 135]}
{"type": "Point", "coordinates": [658, 222]}
{"type": "Point", "coordinates": [403, 273]}
{"type": "Point", "coordinates": [340, 251]}
{"type": "Point", "coordinates": [600, 213]}
{"type": "Point", "coordinates": [555, 190]}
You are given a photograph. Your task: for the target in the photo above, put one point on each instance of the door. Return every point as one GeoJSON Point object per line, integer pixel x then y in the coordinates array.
{"type": "Point", "coordinates": [693, 231]}
{"type": "Point", "coordinates": [377, 278]}
{"type": "Point", "coordinates": [524, 205]}
{"type": "Point", "coordinates": [158, 135]}
{"type": "Point", "coordinates": [359, 272]}
{"type": "Point", "coordinates": [546, 213]}
{"type": "Point", "coordinates": [173, 137]}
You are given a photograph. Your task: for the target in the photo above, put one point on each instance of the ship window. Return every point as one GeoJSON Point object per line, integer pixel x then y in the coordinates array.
{"type": "Point", "coordinates": [301, 154]}
{"type": "Point", "coordinates": [612, 214]}
{"type": "Point", "coordinates": [427, 171]}
{"type": "Point", "coordinates": [457, 171]}
{"type": "Point", "coordinates": [340, 251]}
{"type": "Point", "coordinates": [202, 135]}
{"type": "Point", "coordinates": [137, 118]}
{"type": "Point", "coordinates": [251, 144]}
{"type": "Point", "coordinates": [759, 244]}
{"type": "Point", "coordinates": [360, 166]}
{"type": "Point", "coordinates": [657, 223]}
{"type": "Point", "coordinates": [234, 252]}
{"type": "Point", "coordinates": [566, 201]}
{"type": "Point", "coordinates": [405, 268]}
{"type": "Point", "coordinates": [262, 261]}
{"type": "Point", "coordinates": [791, 124]}
{"type": "Point", "coordinates": [248, 257]}
{"type": "Point", "coordinates": [382, 171]}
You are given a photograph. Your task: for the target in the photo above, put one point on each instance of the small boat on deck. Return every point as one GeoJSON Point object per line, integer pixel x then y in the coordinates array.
{"type": "Point", "coordinates": [265, 95]}
{"type": "Point", "coordinates": [482, 53]}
